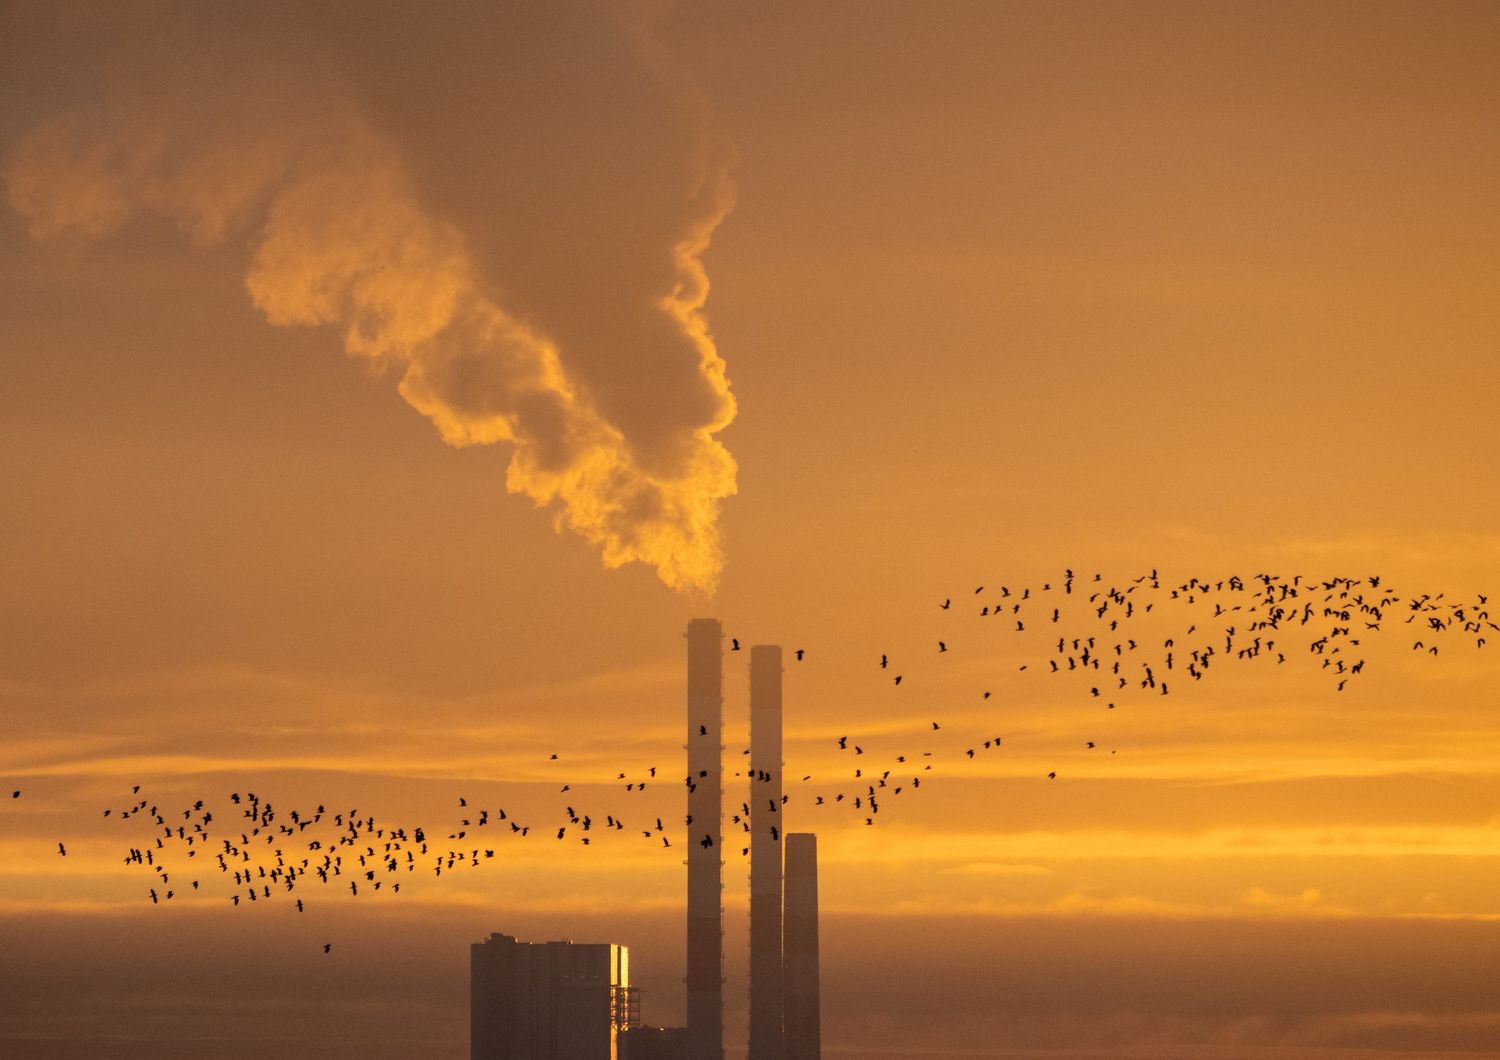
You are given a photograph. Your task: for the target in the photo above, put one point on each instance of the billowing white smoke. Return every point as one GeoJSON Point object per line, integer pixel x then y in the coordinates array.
{"type": "Point", "coordinates": [541, 287]}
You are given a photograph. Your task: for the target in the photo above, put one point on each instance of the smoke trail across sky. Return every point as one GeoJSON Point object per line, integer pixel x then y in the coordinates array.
{"type": "Point", "coordinates": [506, 211]}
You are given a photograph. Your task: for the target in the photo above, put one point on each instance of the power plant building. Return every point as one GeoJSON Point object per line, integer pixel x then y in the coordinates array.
{"type": "Point", "coordinates": [568, 1001]}
{"type": "Point", "coordinates": [548, 1000]}
{"type": "Point", "coordinates": [655, 1043]}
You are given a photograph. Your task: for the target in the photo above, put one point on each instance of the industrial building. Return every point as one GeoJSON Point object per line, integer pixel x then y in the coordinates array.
{"type": "Point", "coordinates": [548, 1000]}
{"type": "Point", "coordinates": [564, 1001]}
{"type": "Point", "coordinates": [655, 1043]}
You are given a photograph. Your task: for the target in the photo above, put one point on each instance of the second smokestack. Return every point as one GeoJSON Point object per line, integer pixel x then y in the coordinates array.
{"type": "Point", "coordinates": [765, 853]}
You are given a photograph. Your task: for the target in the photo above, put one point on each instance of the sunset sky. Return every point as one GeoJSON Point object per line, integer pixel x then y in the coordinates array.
{"type": "Point", "coordinates": [385, 387]}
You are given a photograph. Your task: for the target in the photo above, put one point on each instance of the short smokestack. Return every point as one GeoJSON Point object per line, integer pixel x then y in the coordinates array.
{"type": "Point", "coordinates": [705, 811]}
{"type": "Point", "coordinates": [803, 1018]}
{"type": "Point", "coordinates": [765, 853]}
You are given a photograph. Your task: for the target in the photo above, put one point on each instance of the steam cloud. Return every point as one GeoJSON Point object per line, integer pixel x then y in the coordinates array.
{"type": "Point", "coordinates": [505, 210]}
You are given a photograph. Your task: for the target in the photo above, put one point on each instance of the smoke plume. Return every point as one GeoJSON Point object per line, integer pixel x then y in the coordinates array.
{"type": "Point", "coordinates": [507, 211]}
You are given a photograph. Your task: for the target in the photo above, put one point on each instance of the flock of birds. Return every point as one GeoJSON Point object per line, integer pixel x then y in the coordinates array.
{"type": "Point", "coordinates": [1109, 640]}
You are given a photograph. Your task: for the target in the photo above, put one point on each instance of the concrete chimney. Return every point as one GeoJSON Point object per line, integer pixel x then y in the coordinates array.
{"type": "Point", "coordinates": [705, 812]}
{"type": "Point", "coordinates": [765, 853]}
{"type": "Point", "coordinates": [803, 1027]}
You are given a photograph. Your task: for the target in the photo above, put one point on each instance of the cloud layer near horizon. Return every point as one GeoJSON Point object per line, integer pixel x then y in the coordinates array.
{"type": "Point", "coordinates": [527, 264]}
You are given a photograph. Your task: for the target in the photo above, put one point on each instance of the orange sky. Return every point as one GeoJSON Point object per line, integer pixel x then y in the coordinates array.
{"type": "Point", "coordinates": [994, 290]}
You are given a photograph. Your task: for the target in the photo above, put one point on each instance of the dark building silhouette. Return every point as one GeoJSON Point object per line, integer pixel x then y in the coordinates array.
{"type": "Point", "coordinates": [705, 865]}
{"type": "Point", "coordinates": [765, 853]}
{"type": "Point", "coordinates": [802, 1018]}
{"type": "Point", "coordinates": [547, 1000]}
{"type": "Point", "coordinates": [565, 1001]}
{"type": "Point", "coordinates": [655, 1043]}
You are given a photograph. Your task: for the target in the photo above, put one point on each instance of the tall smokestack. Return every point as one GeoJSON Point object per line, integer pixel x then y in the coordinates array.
{"type": "Point", "coordinates": [765, 853]}
{"type": "Point", "coordinates": [803, 1021]}
{"type": "Point", "coordinates": [705, 811]}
